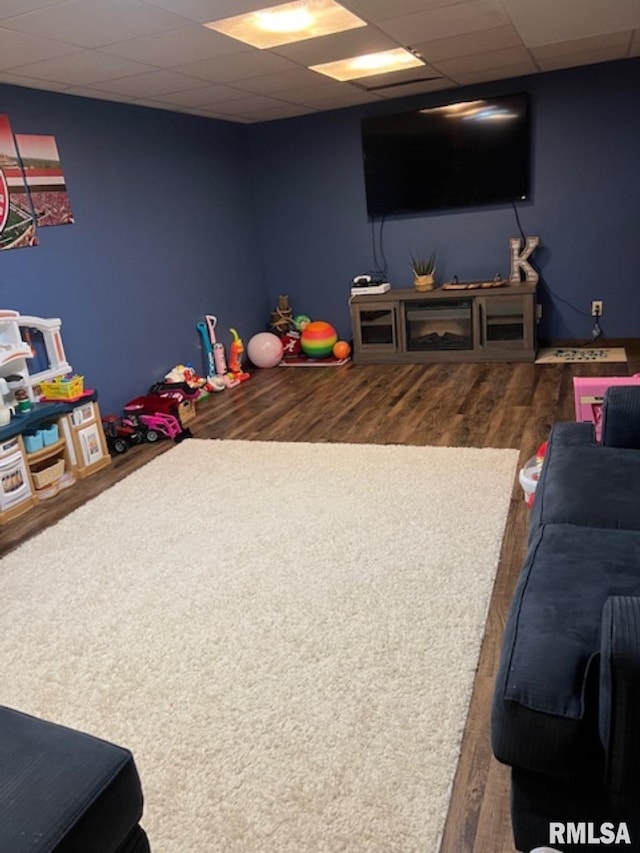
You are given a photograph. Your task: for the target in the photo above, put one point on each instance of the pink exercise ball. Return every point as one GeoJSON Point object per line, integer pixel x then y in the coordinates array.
{"type": "Point", "coordinates": [265, 349]}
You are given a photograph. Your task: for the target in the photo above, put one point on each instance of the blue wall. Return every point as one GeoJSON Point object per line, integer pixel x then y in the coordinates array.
{"type": "Point", "coordinates": [585, 205]}
{"type": "Point", "coordinates": [178, 216]}
{"type": "Point", "coordinates": [163, 235]}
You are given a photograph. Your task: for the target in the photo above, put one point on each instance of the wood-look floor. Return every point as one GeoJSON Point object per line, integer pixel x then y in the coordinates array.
{"type": "Point", "coordinates": [477, 405]}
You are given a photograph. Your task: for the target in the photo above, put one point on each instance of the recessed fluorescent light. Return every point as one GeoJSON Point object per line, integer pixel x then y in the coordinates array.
{"type": "Point", "coordinates": [369, 64]}
{"type": "Point", "coordinates": [287, 23]}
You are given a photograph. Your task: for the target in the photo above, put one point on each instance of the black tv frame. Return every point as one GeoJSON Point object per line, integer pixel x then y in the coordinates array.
{"type": "Point", "coordinates": [461, 154]}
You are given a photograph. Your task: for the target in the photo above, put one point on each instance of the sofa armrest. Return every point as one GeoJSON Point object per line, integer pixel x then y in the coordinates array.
{"type": "Point", "coordinates": [620, 696]}
{"type": "Point", "coordinates": [621, 416]}
{"type": "Point", "coordinates": [571, 434]}
{"type": "Point", "coordinates": [563, 435]}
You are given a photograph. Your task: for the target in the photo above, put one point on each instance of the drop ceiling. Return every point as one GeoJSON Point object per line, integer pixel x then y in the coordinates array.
{"type": "Point", "coordinates": [156, 53]}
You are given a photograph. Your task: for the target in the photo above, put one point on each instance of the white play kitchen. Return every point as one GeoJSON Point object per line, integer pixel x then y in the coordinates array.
{"type": "Point", "coordinates": [50, 426]}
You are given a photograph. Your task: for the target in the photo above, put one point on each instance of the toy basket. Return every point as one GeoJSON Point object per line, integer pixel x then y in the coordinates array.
{"type": "Point", "coordinates": [49, 475]}
{"type": "Point", "coordinates": [186, 411]}
{"type": "Point", "coordinates": [62, 387]}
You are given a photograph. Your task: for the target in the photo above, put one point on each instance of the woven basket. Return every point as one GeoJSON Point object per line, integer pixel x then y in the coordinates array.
{"type": "Point", "coordinates": [49, 475]}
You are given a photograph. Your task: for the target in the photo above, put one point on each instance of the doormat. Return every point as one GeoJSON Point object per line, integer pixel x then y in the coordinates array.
{"type": "Point", "coordinates": [560, 355]}
{"type": "Point", "coordinates": [305, 361]}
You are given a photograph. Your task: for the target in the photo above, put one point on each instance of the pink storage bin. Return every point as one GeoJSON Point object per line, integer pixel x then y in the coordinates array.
{"type": "Point", "coordinates": [588, 394]}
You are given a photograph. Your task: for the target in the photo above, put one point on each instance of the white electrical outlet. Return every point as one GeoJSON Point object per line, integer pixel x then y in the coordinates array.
{"type": "Point", "coordinates": [596, 308]}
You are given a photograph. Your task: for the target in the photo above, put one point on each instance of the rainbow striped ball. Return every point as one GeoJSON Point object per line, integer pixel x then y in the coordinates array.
{"type": "Point", "coordinates": [317, 339]}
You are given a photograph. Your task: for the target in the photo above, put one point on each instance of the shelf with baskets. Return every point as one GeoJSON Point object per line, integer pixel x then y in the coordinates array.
{"type": "Point", "coordinates": [46, 449]}
{"type": "Point", "coordinates": [48, 460]}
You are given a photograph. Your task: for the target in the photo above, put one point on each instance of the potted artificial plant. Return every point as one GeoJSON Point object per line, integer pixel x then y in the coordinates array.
{"type": "Point", "coordinates": [423, 271]}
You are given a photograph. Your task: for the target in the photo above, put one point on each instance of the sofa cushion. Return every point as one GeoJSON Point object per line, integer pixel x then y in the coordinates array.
{"type": "Point", "coordinates": [552, 640]}
{"type": "Point", "coordinates": [63, 789]}
{"type": "Point", "coordinates": [586, 484]}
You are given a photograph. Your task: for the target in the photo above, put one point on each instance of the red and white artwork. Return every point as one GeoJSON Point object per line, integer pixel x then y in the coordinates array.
{"type": "Point", "coordinates": [17, 222]}
{"type": "Point", "coordinates": [45, 179]}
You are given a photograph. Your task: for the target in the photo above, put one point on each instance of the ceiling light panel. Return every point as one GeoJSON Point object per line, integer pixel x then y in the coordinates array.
{"type": "Point", "coordinates": [369, 64]}
{"type": "Point", "coordinates": [288, 22]}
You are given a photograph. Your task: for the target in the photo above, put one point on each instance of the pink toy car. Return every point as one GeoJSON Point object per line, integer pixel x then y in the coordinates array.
{"type": "Point", "coordinates": [157, 415]}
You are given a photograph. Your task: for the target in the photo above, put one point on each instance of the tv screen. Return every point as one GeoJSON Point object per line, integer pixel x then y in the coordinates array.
{"type": "Point", "coordinates": [457, 155]}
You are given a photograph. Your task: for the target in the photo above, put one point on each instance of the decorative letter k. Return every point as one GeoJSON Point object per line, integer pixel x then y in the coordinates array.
{"type": "Point", "coordinates": [519, 263]}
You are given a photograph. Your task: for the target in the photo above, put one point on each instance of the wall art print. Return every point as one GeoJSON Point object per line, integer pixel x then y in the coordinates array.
{"type": "Point", "coordinates": [17, 221]}
{"type": "Point", "coordinates": [45, 179]}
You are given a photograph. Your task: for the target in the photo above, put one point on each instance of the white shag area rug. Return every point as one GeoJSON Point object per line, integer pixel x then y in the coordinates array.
{"type": "Point", "coordinates": [284, 634]}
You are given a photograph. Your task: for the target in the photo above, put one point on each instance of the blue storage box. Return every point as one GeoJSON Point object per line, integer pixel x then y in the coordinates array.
{"type": "Point", "coordinates": [33, 441]}
{"type": "Point", "coordinates": [49, 433]}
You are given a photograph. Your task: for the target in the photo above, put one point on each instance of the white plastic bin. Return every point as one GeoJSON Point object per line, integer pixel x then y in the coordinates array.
{"type": "Point", "coordinates": [528, 477]}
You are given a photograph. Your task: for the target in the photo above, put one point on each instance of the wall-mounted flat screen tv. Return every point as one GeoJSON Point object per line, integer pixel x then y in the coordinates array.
{"type": "Point", "coordinates": [458, 155]}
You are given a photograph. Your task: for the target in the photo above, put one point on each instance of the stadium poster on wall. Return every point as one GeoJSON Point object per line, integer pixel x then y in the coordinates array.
{"type": "Point", "coordinates": [45, 179]}
{"type": "Point", "coordinates": [17, 222]}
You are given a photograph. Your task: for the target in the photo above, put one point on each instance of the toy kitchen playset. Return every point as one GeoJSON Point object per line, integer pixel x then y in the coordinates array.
{"type": "Point", "coordinates": [50, 428]}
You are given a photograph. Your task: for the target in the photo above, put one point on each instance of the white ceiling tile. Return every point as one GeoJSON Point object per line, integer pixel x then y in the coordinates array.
{"type": "Point", "coordinates": [199, 111]}
{"type": "Point", "coordinates": [245, 104]}
{"type": "Point", "coordinates": [446, 21]}
{"type": "Point", "coordinates": [330, 96]}
{"type": "Point", "coordinates": [208, 94]}
{"type": "Point", "coordinates": [177, 47]}
{"type": "Point", "coordinates": [417, 88]}
{"type": "Point", "coordinates": [20, 49]}
{"type": "Point", "coordinates": [151, 84]}
{"type": "Point", "coordinates": [93, 23]}
{"type": "Point", "coordinates": [484, 61]}
{"type": "Point", "coordinates": [468, 43]}
{"type": "Point", "coordinates": [381, 10]}
{"type": "Point", "coordinates": [83, 68]}
{"type": "Point", "coordinates": [337, 46]}
{"type": "Point", "coordinates": [308, 94]}
{"type": "Point", "coordinates": [239, 66]}
{"type": "Point", "coordinates": [277, 112]}
{"type": "Point", "coordinates": [345, 99]}
{"type": "Point", "coordinates": [566, 48]}
{"type": "Point", "coordinates": [204, 11]}
{"type": "Point", "coordinates": [296, 78]}
{"type": "Point", "coordinates": [9, 8]}
{"type": "Point", "coordinates": [96, 94]}
{"type": "Point", "coordinates": [398, 79]}
{"type": "Point", "coordinates": [589, 57]}
{"type": "Point", "coordinates": [548, 21]}
{"type": "Point", "coordinates": [31, 83]}
{"type": "Point", "coordinates": [133, 47]}
{"type": "Point", "coordinates": [518, 70]}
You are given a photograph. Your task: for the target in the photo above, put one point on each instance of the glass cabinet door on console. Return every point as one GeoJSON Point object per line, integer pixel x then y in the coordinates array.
{"type": "Point", "coordinates": [375, 327]}
{"type": "Point", "coordinates": [443, 324]}
{"type": "Point", "coordinates": [506, 322]}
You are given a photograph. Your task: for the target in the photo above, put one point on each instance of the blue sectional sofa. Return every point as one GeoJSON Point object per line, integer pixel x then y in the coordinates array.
{"type": "Point", "coordinates": [66, 791]}
{"type": "Point", "coordinates": [566, 706]}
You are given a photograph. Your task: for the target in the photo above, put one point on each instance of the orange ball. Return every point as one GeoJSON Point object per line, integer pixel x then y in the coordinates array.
{"type": "Point", "coordinates": [341, 349]}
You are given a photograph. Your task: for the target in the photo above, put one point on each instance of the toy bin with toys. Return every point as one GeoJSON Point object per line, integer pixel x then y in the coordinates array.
{"type": "Point", "coordinates": [63, 388]}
